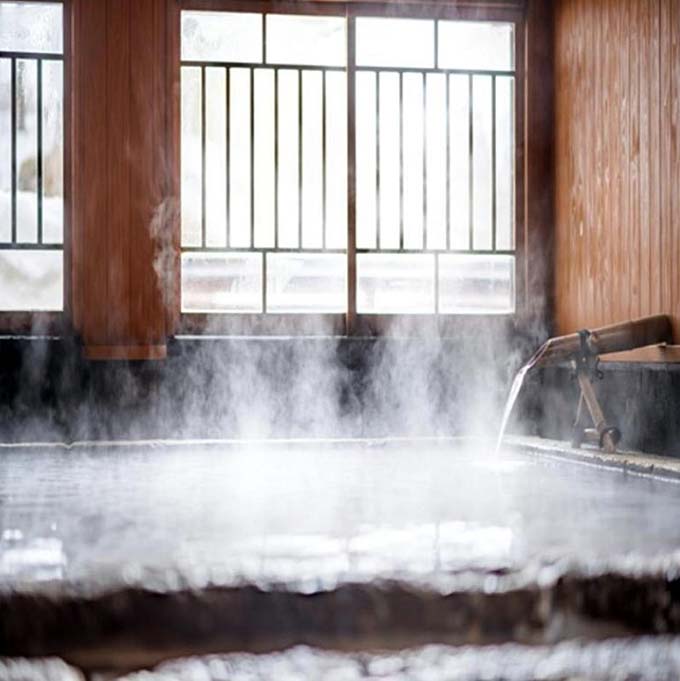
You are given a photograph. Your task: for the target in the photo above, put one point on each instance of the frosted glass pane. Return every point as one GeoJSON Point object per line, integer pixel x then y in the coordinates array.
{"type": "Point", "coordinates": [215, 158]}
{"type": "Point", "coordinates": [389, 160]}
{"type": "Point", "coordinates": [476, 45]}
{"type": "Point", "coordinates": [306, 40]}
{"type": "Point", "coordinates": [366, 160]}
{"type": "Point", "coordinates": [27, 151]}
{"type": "Point", "coordinates": [393, 284]}
{"type": "Point", "coordinates": [414, 121]}
{"type": "Point", "coordinates": [459, 112]}
{"type": "Point", "coordinates": [336, 160]}
{"type": "Point", "coordinates": [191, 156]}
{"type": "Point", "coordinates": [31, 27]}
{"type": "Point", "coordinates": [395, 42]}
{"type": "Point", "coordinates": [222, 36]}
{"type": "Point", "coordinates": [240, 158]}
{"type": "Point", "coordinates": [289, 159]}
{"type": "Point", "coordinates": [5, 152]}
{"type": "Point", "coordinates": [31, 280]}
{"type": "Point", "coordinates": [482, 162]}
{"type": "Point", "coordinates": [476, 284]}
{"type": "Point", "coordinates": [264, 158]}
{"type": "Point", "coordinates": [306, 283]}
{"type": "Point", "coordinates": [312, 160]}
{"type": "Point", "coordinates": [53, 152]}
{"type": "Point", "coordinates": [221, 282]}
{"type": "Point", "coordinates": [436, 161]}
{"type": "Point", "coordinates": [505, 163]}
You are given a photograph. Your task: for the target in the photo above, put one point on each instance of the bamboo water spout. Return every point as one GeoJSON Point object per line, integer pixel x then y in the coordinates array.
{"type": "Point", "coordinates": [613, 338]}
{"type": "Point", "coordinates": [583, 350]}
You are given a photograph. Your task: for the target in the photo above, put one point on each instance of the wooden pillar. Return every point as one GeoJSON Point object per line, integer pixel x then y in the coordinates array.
{"type": "Point", "coordinates": [538, 163]}
{"type": "Point", "coordinates": [122, 204]}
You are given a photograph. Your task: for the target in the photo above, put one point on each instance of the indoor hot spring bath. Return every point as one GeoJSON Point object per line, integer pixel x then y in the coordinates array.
{"type": "Point", "coordinates": [133, 554]}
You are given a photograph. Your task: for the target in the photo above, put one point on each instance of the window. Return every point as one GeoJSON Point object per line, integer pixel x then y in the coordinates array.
{"type": "Point", "coordinates": [264, 197]}
{"type": "Point", "coordinates": [31, 156]}
{"type": "Point", "coordinates": [269, 181]}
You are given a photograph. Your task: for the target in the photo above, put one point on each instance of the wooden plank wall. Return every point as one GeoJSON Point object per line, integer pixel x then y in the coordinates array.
{"type": "Point", "coordinates": [617, 161]}
{"type": "Point", "coordinates": [119, 171]}
{"type": "Point", "coordinates": [538, 165]}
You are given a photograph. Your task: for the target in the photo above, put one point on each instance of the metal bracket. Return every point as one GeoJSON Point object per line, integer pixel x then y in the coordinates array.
{"type": "Point", "coordinates": [586, 367]}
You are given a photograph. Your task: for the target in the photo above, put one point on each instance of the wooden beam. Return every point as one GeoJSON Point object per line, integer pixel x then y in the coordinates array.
{"type": "Point", "coordinates": [538, 166]}
{"type": "Point", "coordinates": [120, 183]}
{"type": "Point", "coordinates": [125, 352]}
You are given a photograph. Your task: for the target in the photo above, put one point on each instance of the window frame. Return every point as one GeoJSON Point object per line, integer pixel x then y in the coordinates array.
{"type": "Point", "coordinates": [57, 322]}
{"type": "Point", "coordinates": [351, 323]}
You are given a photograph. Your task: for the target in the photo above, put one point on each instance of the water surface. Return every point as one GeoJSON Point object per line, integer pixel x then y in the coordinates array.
{"type": "Point", "coordinates": [316, 515]}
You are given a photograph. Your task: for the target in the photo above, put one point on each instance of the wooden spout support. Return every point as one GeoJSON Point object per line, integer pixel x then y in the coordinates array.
{"type": "Point", "coordinates": [583, 349]}
{"type": "Point", "coordinates": [637, 333]}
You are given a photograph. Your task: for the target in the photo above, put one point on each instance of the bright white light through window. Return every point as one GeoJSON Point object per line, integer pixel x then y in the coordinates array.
{"type": "Point", "coordinates": [395, 42]}
{"type": "Point", "coordinates": [222, 36]}
{"type": "Point", "coordinates": [312, 41]}
{"type": "Point", "coordinates": [265, 166]}
{"type": "Point", "coordinates": [31, 157]}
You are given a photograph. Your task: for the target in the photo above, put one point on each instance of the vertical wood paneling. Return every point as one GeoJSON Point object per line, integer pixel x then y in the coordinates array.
{"type": "Point", "coordinates": [665, 113]}
{"type": "Point", "coordinates": [171, 284]}
{"type": "Point", "coordinates": [90, 162]}
{"type": "Point", "coordinates": [597, 132]}
{"type": "Point", "coordinates": [605, 149]}
{"type": "Point", "coordinates": [589, 173]}
{"type": "Point", "coordinates": [69, 124]}
{"type": "Point", "coordinates": [654, 158]}
{"type": "Point", "coordinates": [537, 117]}
{"type": "Point", "coordinates": [146, 148]}
{"type": "Point", "coordinates": [614, 155]}
{"type": "Point", "coordinates": [624, 197]}
{"type": "Point", "coordinates": [118, 195]}
{"type": "Point", "coordinates": [119, 69]}
{"type": "Point", "coordinates": [617, 160]}
{"type": "Point", "coordinates": [635, 196]}
{"type": "Point", "coordinates": [675, 149]}
{"type": "Point", "coordinates": [644, 75]}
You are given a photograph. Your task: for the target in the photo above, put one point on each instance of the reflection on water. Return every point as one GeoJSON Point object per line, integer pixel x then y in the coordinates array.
{"type": "Point", "coordinates": [314, 515]}
{"type": "Point", "coordinates": [642, 659]}
{"type": "Point", "coordinates": [38, 559]}
{"type": "Point", "coordinates": [318, 558]}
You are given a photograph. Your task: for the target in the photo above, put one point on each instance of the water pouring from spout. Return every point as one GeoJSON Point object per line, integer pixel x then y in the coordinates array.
{"type": "Point", "coordinates": [654, 330]}
{"type": "Point", "coordinates": [515, 389]}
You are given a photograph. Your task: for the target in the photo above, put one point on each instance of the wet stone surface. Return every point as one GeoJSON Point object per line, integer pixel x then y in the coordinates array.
{"type": "Point", "coordinates": [126, 556]}
{"type": "Point", "coordinates": [38, 670]}
{"type": "Point", "coordinates": [615, 660]}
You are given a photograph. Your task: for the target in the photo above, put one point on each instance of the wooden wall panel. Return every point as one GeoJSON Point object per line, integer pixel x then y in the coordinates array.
{"type": "Point", "coordinates": [674, 144]}
{"type": "Point", "coordinates": [116, 257]}
{"type": "Point", "coordinates": [147, 149]}
{"type": "Point", "coordinates": [89, 163]}
{"type": "Point", "coordinates": [118, 95]}
{"type": "Point", "coordinates": [537, 111]}
{"type": "Point", "coordinates": [617, 161]}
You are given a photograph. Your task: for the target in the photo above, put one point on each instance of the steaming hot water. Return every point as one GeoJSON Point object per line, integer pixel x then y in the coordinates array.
{"type": "Point", "coordinates": [226, 534]}
{"type": "Point", "coordinates": [314, 514]}
{"type": "Point", "coordinates": [619, 337]}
